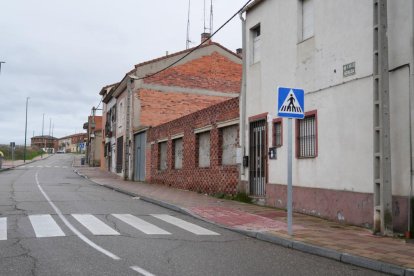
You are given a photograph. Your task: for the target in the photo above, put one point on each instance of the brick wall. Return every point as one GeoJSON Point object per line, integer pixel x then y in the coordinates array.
{"type": "Point", "coordinates": [212, 72]}
{"type": "Point", "coordinates": [161, 107]}
{"type": "Point", "coordinates": [214, 179]}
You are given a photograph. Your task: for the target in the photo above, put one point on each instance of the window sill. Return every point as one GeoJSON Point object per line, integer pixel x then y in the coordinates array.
{"type": "Point", "coordinates": [307, 157]}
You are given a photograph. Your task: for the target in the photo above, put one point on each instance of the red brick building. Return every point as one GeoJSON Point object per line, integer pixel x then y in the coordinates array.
{"type": "Point", "coordinates": [198, 151]}
{"type": "Point", "coordinates": [207, 76]}
{"type": "Point", "coordinates": [46, 142]}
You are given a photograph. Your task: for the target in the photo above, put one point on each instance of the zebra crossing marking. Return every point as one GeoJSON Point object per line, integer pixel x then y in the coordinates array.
{"type": "Point", "coordinates": [44, 166]}
{"type": "Point", "coordinates": [45, 226]}
{"type": "Point", "coordinates": [3, 229]}
{"type": "Point", "coordinates": [141, 271]}
{"type": "Point", "coordinates": [141, 225]}
{"type": "Point", "coordinates": [190, 227]}
{"type": "Point", "coordinates": [94, 225]}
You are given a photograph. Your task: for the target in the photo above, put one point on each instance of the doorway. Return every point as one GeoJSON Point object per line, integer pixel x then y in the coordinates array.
{"type": "Point", "coordinates": [140, 141]}
{"type": "Point", "coordinates": [257, 156]}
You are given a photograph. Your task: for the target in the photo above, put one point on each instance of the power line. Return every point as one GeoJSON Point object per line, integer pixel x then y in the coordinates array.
{"type": "Point", "coordinates": [195, 48]}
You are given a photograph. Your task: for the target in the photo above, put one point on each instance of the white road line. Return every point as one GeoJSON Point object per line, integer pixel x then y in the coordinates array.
{"type": "Point", "coordinates": [3, 229]}
{"type": "Point", "coordinates": [40, 166]}
{"type": "Point", "coordinates": [96, 226]}
{"type": "Point", "coordinates": [45, 226]}
{"type": "Point", "coordinates": [190, 227]}
{"type": "Point", "coordinates": [141, 271]}
{"type": "Point", "coordinates": [71, 227]}
{"type": "Point", "coordinates": [31, 166]}
{"type": "Point", "coordinates": [47, 166]}
{"type": "Point", "coordinates": [141, 225]}
{"type": "Point", "coordinates": [56, 166]}
{"type": "Point", "coordinates": [22, 166]}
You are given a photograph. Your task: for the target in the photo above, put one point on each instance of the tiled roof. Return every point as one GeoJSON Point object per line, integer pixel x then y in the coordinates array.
{"type": "Point", "coordinates": [186, 51]}
{"type": "Point", "coordinates": [213, 72]}
{"type": "Point", "coordinates": [160, 107]}
{"type": "Point", "coordinates": [73, 135]}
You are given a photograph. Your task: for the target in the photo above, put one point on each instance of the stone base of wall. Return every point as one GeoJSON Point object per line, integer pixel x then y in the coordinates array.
{"type": "Point", "coordinates": [341, 206]}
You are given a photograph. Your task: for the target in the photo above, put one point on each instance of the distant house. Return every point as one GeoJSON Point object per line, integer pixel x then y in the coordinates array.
{"type": "Point", "coordinates": [72, 143]}
{"type": "Point", "coordinates": [46, 143]}
{"type": "Point", "coordinates": [209, 75]}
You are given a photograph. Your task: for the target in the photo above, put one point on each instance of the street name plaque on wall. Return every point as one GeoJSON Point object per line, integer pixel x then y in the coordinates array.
{"type": "Point", "coordinates": [349, 69]}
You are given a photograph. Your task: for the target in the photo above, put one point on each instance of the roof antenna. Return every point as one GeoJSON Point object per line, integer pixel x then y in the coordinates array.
{"type": "Point", "coordinates": [211, 16]}
{"type": "Point", "coordinates": [204, 16]}
{"type": "Point", "coordinates": [187, 42]}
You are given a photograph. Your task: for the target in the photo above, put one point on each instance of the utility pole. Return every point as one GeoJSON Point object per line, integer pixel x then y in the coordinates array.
{"type": "Point", "coordinates": [383, 215]}
{"type": "Point", "coordinates": [43, 126]}
{"type": "Point", "coordinates": [25, 131]}
{"type": "Point", "coordinates": [128, 127]}
{"type": "Point", "coordinates": [1, 62]}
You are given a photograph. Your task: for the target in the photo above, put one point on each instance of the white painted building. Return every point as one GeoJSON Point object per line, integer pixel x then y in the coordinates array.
{"type": "Point", "coordinates": [326, 48]}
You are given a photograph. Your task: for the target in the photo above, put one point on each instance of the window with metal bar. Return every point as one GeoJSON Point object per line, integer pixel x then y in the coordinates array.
{"type": "Point", "coordinates": [277, 132]}
{"type": "Point", "coordinates": [307, 136]}
{"type": "Point", "coordinates": [162, 152]}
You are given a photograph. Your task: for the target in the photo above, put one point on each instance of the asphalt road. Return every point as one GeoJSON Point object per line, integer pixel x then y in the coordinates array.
{"type": "Point", "coordinates": [53, 222]}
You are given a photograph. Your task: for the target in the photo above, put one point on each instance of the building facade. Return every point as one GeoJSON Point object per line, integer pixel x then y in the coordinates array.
{"type": "Point", "coordinates": [72, 143]}
{"type": "Point", "coordinates": [340, 164]}
{"type": "Point", "coordinates": [195, 80]}
{"type": "Point", "coordinates": [94, 140]}
{"type": "Point", "coordinates": [197, 152]}
{"type": "Point", "coordinates": [47, 143]}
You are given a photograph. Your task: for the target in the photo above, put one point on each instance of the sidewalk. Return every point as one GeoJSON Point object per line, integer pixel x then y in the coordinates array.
{"type": "Point", "coordinates": [348, 244]}
{"type": "Point", "coordinates": [9, 164]}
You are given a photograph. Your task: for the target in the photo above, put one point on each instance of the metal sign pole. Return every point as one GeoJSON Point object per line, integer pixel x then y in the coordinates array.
{"type": "Point", "coordinates": [290, 104]}
{"type": "Point", "coordinates": [289, 175]}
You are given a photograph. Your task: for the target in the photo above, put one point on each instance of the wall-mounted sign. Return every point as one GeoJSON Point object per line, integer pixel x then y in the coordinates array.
{"type": "Point", "coordinates": [349, 69]}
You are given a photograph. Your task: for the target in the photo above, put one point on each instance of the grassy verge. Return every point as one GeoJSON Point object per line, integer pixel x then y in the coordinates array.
{"type": "Point", "coordinates": [19, 152]}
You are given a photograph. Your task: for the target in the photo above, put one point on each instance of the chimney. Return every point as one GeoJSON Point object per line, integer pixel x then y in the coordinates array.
{"type": "Point", "coordinates": [239, 52]}
{"type": "Point", "coordinates": [205, 38]}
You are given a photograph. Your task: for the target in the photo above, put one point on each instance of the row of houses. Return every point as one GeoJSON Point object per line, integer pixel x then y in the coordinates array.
{"type": "Point", "coordinates": [73, 143]}
{"type": "Point", "coordinates": [209, 121]}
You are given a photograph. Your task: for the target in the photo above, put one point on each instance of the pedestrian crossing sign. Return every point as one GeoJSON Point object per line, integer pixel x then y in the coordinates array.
{"type": "Point", "coordinates": [291, 103]}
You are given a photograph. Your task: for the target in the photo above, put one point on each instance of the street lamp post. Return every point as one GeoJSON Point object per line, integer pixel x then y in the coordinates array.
{"type": "Point", "coordinates": [25, 131]}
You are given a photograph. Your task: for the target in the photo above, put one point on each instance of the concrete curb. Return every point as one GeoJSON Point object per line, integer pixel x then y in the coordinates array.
{"type": "Point", "coordinates": [296, 245]}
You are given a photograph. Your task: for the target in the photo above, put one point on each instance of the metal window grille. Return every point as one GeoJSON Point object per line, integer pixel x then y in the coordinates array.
{"type": "Point", "coordinates": [277, 137]}
{"type": "Point", "coordinates": [307, 137]}
{"type": "Point", "coordinates": [257, 158]}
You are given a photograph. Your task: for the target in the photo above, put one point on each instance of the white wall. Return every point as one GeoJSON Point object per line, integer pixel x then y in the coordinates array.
{"type": "Point", "coordinates": [343, 34]}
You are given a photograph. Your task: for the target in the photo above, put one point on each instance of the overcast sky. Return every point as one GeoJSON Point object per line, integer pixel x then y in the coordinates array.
{"type": "Point", "coordinates": [61, 53]}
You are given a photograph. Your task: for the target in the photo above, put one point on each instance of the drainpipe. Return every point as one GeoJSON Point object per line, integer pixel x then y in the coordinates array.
{"type": "Point", "coordinates": [411, 120]}
{"type": "Point", "coordinates": [243, 94]}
